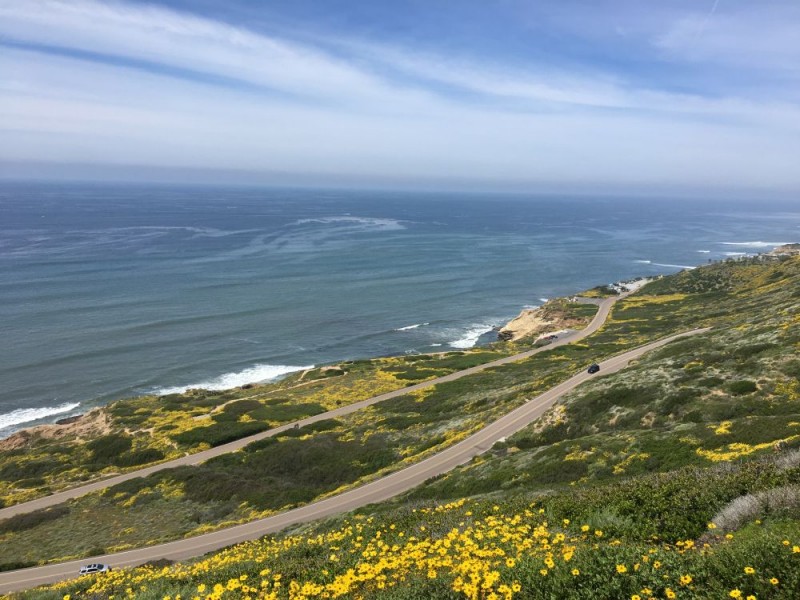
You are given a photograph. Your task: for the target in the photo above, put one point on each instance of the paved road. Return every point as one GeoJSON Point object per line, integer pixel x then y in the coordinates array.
{"type": "Point", "coordinates": [376, 491]}
{"type": "Point", "coordinates": [199, 457]}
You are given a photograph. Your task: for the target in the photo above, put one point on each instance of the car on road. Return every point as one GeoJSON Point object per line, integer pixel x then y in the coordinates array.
{"type": "Point", "coordinates": [594, 368]}
{"type": "Point", "coordinates": [94, 568]}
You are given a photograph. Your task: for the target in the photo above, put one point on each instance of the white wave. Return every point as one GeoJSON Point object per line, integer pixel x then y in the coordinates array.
{"type": "Point", "coordinates": [754, 244]}
{"type": "Point", "coordinates": [471, 336]}
{"type": "Point", "coordinates": [735, 253]}
{"type": "Point", "coordinates": [227, 381]}
{"type": "Point", "coordinates": [26, 415]}
{"type": "Point", "coordinates": [669, 265]}
{"type": "Point", "coordinates": [542, 299]}
{"type": "Point", "coordinates": [672, 266]}
{"type": "Point", "coordinates": [435, 345]}
{"type": "Point", "coordinates": [410, 327]}
{"type": "Point", "coordinates": [370, 222]}
{"type": "Point", "coordinates": [704, 251]}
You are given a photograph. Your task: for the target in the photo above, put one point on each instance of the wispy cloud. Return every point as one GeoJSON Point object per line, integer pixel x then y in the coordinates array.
{"type": "Point", "coordinates": [761, 35]}
{"type": "Point", "coordinates": [130, 83]}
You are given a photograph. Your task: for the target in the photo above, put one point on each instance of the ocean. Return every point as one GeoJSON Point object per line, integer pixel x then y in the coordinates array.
{"type": "Point", "coordinates": [112, 291]}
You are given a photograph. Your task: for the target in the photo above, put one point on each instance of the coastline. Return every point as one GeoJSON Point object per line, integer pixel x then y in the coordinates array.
{"type": "Point", "coordinates": [528, 322]}
{"type": "Point", "coordinates": [95, 421]}
{"type": "Point", "coordinates": [551, 319]}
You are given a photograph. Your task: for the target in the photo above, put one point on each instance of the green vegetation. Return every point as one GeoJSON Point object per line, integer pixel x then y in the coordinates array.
{"type": "Point", "coordinates": [728, 395]}
{"type": "Point", "coordinates": [136, 432]}
{"type": "Point", "coordinates": [651, 536]}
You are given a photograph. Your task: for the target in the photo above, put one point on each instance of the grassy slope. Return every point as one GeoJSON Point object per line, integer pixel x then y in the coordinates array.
{"type": "Point", "coordinates": [683, 410]}
{"type": "Point", "coordinates": [154, 428]}
{"type": "Point", "coordinates": [728, 395]}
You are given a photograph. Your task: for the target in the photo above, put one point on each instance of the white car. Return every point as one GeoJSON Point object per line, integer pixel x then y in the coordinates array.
{"type": "Point", "coordinates": [94, 568]}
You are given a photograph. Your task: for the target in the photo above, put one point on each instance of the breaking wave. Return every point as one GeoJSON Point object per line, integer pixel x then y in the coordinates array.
{"type": "Point", "coordinates": [410, 327]}
{"type": "Point", "coordinates": [27, 415]}
{"type": "Point", "coordinates": [471, 336]}
{"type": "Point", "coordinates": [227, 381]}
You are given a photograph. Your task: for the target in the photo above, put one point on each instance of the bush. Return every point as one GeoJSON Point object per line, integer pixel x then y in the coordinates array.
{"type": "Point", "coordinates": [284, 472]}
{"type": "Point", "coordinates": [139, 457]}
{"type": "Point", "coordinates": [282, 413]}
{"type": "Point", "coordinates": [108, 447]}
{"type": "Point", "coordinates": [32, 519]}
{"type": "Point", "coordinates": [744, 386]}
{"type": "Point", "coordinates": [219, 433]}
{"type": "Point", "coordinates": [234, 410]}
{"type": "Point", "coordinates": [16, 564]}
{"type": "Point", "coordinates": [18, 470]}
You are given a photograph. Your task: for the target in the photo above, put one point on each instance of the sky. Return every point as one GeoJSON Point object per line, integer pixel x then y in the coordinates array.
{"type": "Point", "coordinates": [487, 94]}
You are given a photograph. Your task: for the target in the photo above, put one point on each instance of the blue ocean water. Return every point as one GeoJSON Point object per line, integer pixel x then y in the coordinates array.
{"type": "Point", "coordinates": [113, 291]}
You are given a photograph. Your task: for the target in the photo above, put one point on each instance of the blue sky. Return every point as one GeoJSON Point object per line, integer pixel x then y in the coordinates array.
{"type": "Point", "coordinates": [557, 95]}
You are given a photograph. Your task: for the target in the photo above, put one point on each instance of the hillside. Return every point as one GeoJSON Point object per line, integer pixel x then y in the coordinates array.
{"type": "Point", "coordinates": [678, 477]}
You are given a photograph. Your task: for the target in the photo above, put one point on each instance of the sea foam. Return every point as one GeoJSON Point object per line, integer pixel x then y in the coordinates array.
{"type": "Point", "coordinates": [227, 381]}
{"type": "Point", "coordinates": [754, 244]}
{"type": "Point", "coordinates": [671, 266]}
{"type": "Point", "coordinates": [365, 222]}
{"type": "Point", "coordinates": [471, 336]}
{"type": "Point", "coordinates": [27, 415]}
{"type": "Point", "coordinates": [410, 327]}
{"type": "Point", "coordinates": [668, 265]}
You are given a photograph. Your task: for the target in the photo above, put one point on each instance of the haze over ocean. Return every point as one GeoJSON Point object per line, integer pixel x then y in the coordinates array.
{"type": "Point", "coordinates": [110, 291]}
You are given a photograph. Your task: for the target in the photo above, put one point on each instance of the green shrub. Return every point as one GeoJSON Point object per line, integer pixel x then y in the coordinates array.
{"type": "Point", "coordinates": [108, 447]}
{"type": "Point", "coordinates": [281, 413]}
{"type": "Point", "coordinates": [16, 564]}
{"type": "Point", "coordinates": [283, 473]}
{"type": "Point", "coordinates": [30, 520]}
{"type": "Point", "coordinates": [741, 387]}
{"type": "Point", "coordinates": [323, 425]}
{"type": "Point", "coordinates": [752, 350]}
{"type": "Point", "coordinates": [138, 457]}
{"type": "Point", "coordinates": [219, 433]}
{"type": "Point", "coordinates": [27, 469]}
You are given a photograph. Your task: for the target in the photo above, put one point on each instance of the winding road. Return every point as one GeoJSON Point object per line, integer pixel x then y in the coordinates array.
{"type": "Point", "coordinates": [604, 308]}
{"type": "Point", "coordinates": [375, 491]}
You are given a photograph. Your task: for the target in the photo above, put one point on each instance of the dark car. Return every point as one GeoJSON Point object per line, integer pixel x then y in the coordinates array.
{"type": "Point", "coordinates": [94, 568]}
{"type": "Point", "coordinates": [594, 368]}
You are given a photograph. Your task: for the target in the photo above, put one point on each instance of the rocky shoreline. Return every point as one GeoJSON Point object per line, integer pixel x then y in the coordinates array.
{"type": "Point", "coordinates": [552, 318]}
